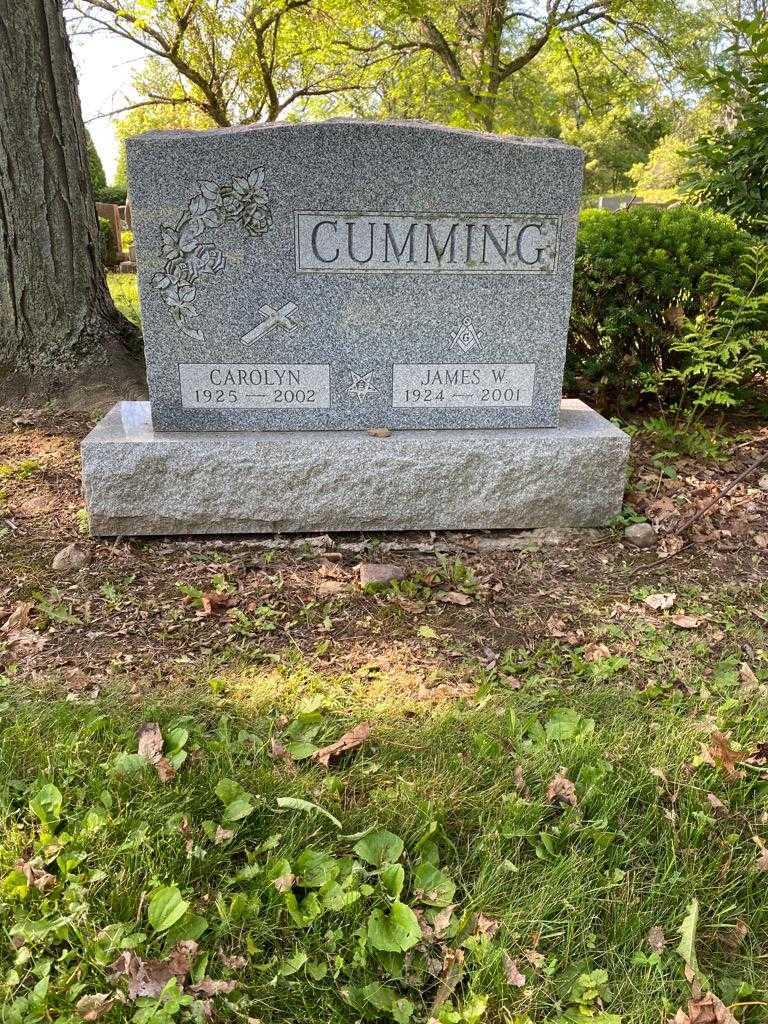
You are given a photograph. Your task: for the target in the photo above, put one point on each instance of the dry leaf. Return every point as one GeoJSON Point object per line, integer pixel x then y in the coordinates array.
{"type": "Point", "coordinates": [520, 785]}
{"type": "Point", "coordinates": [762, 861]}
{"type": "Point", "coordinates": [36, 875]}
{"type": "Point", "coordinates": [150, 741]}
{"type": "Point", "coordinates": [485, 927]}
{"type": "Point", "coordinates": [706, 1009]}
{"type": "Point", "coordinates": [284, 882]}
{"type": "Point", "coordinates": [453, 597]}
{"type": "Point", "coordinates": [556, 627]}
{"type": "Point", "coordinates": [656, 939]}
{"type": "Point", "coordinates": [94, 1006]}
{"type": "Point", "coordinates": [149, 977]}
{"type": "Point", "coordinates": [453, 970]}
{"type": "Point", "coordinates": [349, 741]}
{"type": "Point", "coordinates": [719, 809]}
{"type": "Point", "coordinates": [747, 677]}
{"type": "Point", "coordinates": [732, 938]}
{"type": "Point", "coordinates": [512, 973]}
{"type": "Point", "coordinates": [594, 652]}
{"type": "Point", "coordinates": [19, 617]}
{"type": "Point", "coordinates": [684, 621]}
{"type": "Point", "coordinates": [379, 432]}
{"type": "Point", "coordinates": [561, 790]}
{"type": "Point", "coordinates": [443, 920]}
{"type": "Point", "coordinates": [209, 987]}
{"type": "Point", "coordinates": [330, 587]}
{"type": "Point", "coordinates": [660, 602]}
{"type": "Point", "coordinates": [222, 835]}
{"type": "Point", "coordinates": [759, 756]}
{"type": "Point", "coordinates": [151, 747]}
{"type": "Point", "coordinates": [213, 601]}
{"type": "Point", "coordinates": [719, 749]}
{"type": "Point", "coordinates": [534, 958]}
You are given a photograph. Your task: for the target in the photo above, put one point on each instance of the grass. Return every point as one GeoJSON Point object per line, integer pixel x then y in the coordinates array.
{"type": "Point", "coordinates": [124, 289]}
{"type": "Point", "coordinates": [459, 797]}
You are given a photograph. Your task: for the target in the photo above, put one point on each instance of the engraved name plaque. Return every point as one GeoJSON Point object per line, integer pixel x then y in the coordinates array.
{"type": "Point", "coordinates": [420, 244]}
{"type": "Point", "coordinates": [242, 386]}
{"type": "Point", "coordinates": [462, 385]}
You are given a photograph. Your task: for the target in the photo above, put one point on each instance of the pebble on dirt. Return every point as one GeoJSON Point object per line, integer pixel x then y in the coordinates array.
{"type": "Point", "coordinates": [640, 535]}
{"type": "Point", "coordinates": [71, 557]}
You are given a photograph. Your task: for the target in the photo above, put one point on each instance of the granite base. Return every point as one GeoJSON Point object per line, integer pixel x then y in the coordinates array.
{"type": "Point", "coordinates": [139, 481]}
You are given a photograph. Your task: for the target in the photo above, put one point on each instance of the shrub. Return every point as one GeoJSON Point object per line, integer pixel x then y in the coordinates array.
{"type": "Point", "coordinates": [640, 275]}
{"type": "Point", "coordinates": [724, 351]}
{"type": "Point", "coordinates": [112, 194]}
{"type": "Point", "coordinates": [107, 244]}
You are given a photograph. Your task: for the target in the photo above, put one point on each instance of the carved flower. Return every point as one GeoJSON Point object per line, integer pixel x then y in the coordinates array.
{"type": "Point", "coordinates": [206, 259]}
{"type": "Point", "coordinates": [247, 201]}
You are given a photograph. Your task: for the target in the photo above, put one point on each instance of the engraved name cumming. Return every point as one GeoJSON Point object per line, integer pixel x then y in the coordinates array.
{"type": "Point", "coordinates": [411, 243]}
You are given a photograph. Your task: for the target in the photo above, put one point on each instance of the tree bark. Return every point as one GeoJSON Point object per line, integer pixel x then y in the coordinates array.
{"type": "Point", "coordinates": [59, 329]}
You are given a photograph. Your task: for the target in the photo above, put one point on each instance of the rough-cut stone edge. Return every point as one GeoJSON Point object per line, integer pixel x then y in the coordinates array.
{"type": "Point", "coordinates": [141, 482]}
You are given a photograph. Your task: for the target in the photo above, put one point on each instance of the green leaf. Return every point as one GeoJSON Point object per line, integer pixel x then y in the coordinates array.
{"type": "Point", "coordinates": [166, 907]}
{"type": "Point", "coordinates": [567, 724]}
{"type": "Point", "coordinates": [432, 886]}
{"type": "Point", "coordinates": [238, 809]}
{"type": "Point", "coordinates": [687, 946]}
{"type": "Point", "coordinates": [380, 847]}
{"type": "Point", "coordinates": [313, 869]}
{"type": "Point", "coordinates": [293, 963]}
{"type": "Point", "coordinates": [46, 805]}
{"type": "Point", "coordinates": [393, 878]}
{"type": "Point", "coordinates": [292, 803]}
{"type": "Point", "coordinates": [394, 931]}
{"type": "Point", "coordinates": [303, 913]}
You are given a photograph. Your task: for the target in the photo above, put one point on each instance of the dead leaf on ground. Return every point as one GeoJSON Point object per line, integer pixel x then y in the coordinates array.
{"type": "Point", "coordinates": [512, 972]}
{"type": "Point", "coordinates": [660, 602]}
{"type": "Point", "coordinates": [222, 835]}
{"type": "Point", "coordinates": [762, 861]}
{"type": "Point", "coordinates": [706, 1009]}
{"type": "Point", "coordinates": [683, 621]}
{"type": "Point", "coordinates": [534, 958]}
{"type": "Point", "coordinates": [277, 750]}
{"type": "Point", "coordinates": [211, 987]}
{"type": "Point", "coordinates": [747, 677]}
{"type": "Point", "coordinates": [520, 784]}
{"type": "Point", "coordinates": [442, 920]}
{"type": "Point", "coordinates": [36, 875]}
{"type": "Point", "coordinates": [732, 938]}
{"type": "Point", "coordinates": [452, 973]}
{"type": "Point", "coordinates": [349, 741]}
{"type": "Point", "coordinates": [759, 756]}
{"type": "Point", "coordinates": [453, 597]}
{"type": "Point", "coordinates": [561, 790]}
{"type": "Point", "coordinates": [379, 432]}
{"type": "Point", "coordinates": [656, 939]}
{"type": "Point", "coordinates": [556, 627]}
{"type": "Point", "coordinates": [149, 977]}
{"type": "Point", "coordinates": [330, 587]}
{"type": "Point", "coordinates": [151, 748]}
{"type": "Point", "coordinates": [719, 809]}
{"type": "Point", "coordinates": [485, 927]}
{"type": "Point", "coordinates": [719, 749]}
{"type": "Point", "coordinates": [594, 652]}
{"type": "Point", "coordinates": [19, 617]}
{"type": "Point", "coordinates": [94, 1006]}
{"type": "Point", "coordinates": [284, 882]}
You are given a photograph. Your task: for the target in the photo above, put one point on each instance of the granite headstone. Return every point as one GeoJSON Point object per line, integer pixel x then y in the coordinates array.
{"type": "Point", "coordinates": [348, 274]}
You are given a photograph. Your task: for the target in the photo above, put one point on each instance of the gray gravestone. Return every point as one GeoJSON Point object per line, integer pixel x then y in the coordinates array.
{"type": "Point", "coordinates": [351, 274]}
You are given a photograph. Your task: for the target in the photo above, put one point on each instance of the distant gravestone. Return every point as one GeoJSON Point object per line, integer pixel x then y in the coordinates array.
{"type": "Point", "coordinates": [351, 273]}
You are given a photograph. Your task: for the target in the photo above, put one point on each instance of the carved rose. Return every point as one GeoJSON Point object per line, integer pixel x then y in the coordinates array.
{"type": "Point", "coordinates": [206, 259]}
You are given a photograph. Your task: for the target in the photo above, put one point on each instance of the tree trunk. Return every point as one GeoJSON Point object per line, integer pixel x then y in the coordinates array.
{"type": "Point", "coordinates": [59, 330]}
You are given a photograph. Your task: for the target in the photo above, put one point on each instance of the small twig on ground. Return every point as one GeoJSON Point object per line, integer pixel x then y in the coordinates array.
{"type": "Point", "coordinates": [726, 490]}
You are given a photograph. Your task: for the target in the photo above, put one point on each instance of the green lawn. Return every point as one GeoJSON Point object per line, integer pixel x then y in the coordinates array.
{"type": "Point", "coordinates": [124, 289]}
{"type": "Point", "coordinates": [446, 869]}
